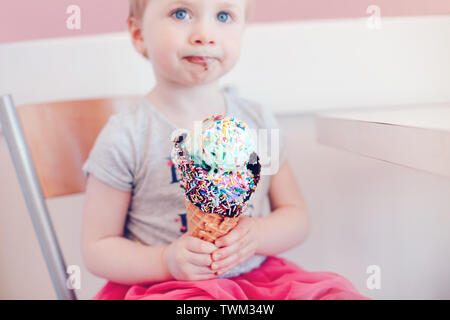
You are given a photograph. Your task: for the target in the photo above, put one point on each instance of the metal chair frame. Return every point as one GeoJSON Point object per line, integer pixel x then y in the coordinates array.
{"type": "Point", "coordinates": [32, 192]}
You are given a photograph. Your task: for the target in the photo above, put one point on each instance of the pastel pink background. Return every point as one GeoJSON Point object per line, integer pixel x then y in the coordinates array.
{"type": "Point", "coordinates": [35, 19]}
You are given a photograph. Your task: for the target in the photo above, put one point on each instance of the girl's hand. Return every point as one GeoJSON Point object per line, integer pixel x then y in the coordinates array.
{"type": "Point", "coordinates": [237, 246]}
{"type": "Point", "coordinates": [189, 258]}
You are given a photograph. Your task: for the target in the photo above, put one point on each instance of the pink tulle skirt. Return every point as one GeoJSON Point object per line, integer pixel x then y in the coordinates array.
{"type": "Point", "coordinates": [275, 279]}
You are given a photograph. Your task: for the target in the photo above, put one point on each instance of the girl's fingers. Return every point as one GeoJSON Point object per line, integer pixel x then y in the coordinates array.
{"type": "Point", "coordinates": [235, 258]}
{"type": "Point", "coordinates": [225, 252]}
{"type": "Point", "coordinates": [197, 270]}
{"type": "Point", "coordinates": [240, 257]}
{"type": "Point", "coordinates": [199, 259]}
{"type": "Point", "coordinates": [225, 262]}
{"type": "Point", "coordinates": [203, 277]}
{"type": "Point", "coordinates": [197, 245]}
{"type": "Point", "coordinates": [241, 229]}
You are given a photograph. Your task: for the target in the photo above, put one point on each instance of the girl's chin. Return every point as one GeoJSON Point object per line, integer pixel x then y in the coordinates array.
{"type": "Point", "coordinates": [197, 81]}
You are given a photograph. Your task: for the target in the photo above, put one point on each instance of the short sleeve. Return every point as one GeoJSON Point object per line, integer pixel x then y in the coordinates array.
{"type": "Point", "coordinates": [272, 123]}
{"type": "Point", "coordinates": [112, 158]}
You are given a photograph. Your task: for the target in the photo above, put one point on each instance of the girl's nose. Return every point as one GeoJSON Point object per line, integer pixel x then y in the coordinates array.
{"type": "Point", "coordinates": [202, 36]}
{"type": "Point", "coordinates": [200, 41]}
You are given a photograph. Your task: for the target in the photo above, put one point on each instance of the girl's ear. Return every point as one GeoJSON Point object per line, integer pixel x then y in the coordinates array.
{"type": "Point", "coordinates": [134, 28]}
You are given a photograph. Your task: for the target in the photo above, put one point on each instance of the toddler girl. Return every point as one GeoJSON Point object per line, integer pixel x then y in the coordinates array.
{"type": "Point", "coordinates": [134, 220]}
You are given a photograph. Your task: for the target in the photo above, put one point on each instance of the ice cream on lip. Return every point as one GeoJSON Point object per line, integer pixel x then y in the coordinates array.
{"type": "Point", "coordinates": [218, 166]}
{"type": "Point", "coordinates": [204, 61]}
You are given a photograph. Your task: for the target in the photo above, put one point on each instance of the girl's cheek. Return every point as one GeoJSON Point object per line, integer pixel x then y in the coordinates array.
{"type": "Point", "coordinates": [162, 49]}
{"type": "Point", "coordinates": [231, 53]}
{"type": "Point", "coordinates": [233, 42]}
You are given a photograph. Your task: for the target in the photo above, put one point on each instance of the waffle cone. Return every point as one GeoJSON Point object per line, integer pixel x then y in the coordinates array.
{"type": "Point", "coordinates": [207, 226]}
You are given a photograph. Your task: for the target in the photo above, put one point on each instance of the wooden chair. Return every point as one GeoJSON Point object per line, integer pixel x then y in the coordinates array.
{"type": "Point", "coordinates": [49, 143]}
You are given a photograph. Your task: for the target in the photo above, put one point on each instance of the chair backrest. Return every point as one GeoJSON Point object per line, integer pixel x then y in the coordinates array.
{"type": "Point", "coordinates": [48, 143]}
{"type": "Point", "coordinates": [60, 135]}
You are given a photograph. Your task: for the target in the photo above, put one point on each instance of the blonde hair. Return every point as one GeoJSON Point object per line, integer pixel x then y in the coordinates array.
{"type": "Point", "coordinates": [137, 8]}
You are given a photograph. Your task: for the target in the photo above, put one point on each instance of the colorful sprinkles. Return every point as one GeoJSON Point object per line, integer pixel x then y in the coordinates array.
{"type": "Point", "coordinates": [217, 191]}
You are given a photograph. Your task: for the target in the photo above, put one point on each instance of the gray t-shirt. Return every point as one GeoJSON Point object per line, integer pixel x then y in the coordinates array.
{"type": "Point", "coordinates": [132, 153]}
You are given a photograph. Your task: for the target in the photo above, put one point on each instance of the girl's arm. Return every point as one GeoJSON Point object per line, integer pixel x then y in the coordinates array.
{"type": "Point", "coordinates": [106, 253]}
{"type": "Point", "coordinates": [288, 224]}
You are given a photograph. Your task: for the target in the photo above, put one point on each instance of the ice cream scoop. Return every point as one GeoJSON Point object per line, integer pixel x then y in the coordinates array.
{"type": "Point", "coordinates": [218, 166]}
{"type": "Point", "coordinates": [220, 144]}
{"type": "Point", "coordinates": [219, 170]}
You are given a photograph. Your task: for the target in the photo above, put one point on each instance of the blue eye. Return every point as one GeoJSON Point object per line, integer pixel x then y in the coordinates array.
{"type": "Point", "coordinates": [180, 14]}
{"type": "Point", "coordinates": [222, 16]}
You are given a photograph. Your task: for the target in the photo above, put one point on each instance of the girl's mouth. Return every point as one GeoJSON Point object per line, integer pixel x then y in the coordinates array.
{"type": "Point", "coordinates": [203, 61]}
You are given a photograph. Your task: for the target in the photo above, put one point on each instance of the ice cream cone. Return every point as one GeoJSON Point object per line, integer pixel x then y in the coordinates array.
{"type": "Point", "coordinates": [207, 226]}
{"type": "Point", "coordinates": [219, 170]}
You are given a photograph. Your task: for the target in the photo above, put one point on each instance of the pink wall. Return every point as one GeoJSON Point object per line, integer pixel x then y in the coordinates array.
{"type": "Point", "coordinates": [34, 19]}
